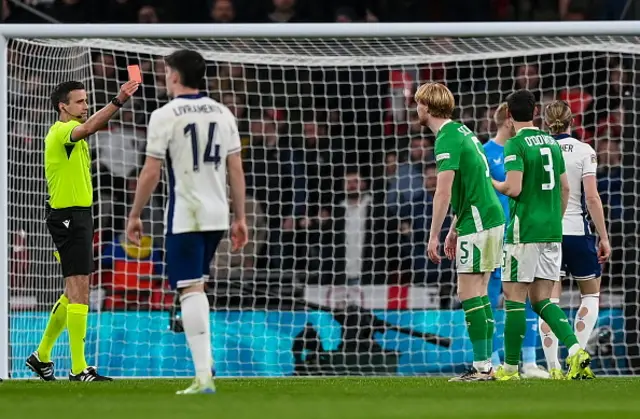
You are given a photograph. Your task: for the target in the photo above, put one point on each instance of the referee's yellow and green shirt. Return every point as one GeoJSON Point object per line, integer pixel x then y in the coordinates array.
{"type": "Point", "coordinates": [67, 167]}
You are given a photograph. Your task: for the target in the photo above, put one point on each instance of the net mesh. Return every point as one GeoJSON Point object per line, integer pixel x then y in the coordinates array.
{"type": "Point", "coordinates": [323, 288]}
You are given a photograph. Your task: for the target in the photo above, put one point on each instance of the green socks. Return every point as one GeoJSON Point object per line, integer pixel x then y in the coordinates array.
{"type": "Point", "coordinates": [557, 321]}
{"type": "Point", "coordinates": [477, 326]}
{"type": "Point", "coordinates": [77, 325]}
{"type": "Point", "coordinates": [55, 326]}
{"type": "Point", "coordinates": [516, 324]}
{"type": "Point", "coordinates": [491, 323]}
{"type": "Point", "coordinates": [515, 327]}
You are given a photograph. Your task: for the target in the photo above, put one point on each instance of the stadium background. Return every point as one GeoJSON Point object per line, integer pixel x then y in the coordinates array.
{"type": "Point", "coordinates": [308, 134]}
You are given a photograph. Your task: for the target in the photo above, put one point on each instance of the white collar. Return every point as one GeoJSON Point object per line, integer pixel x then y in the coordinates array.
{"type": "Point", "coordinates": [536, 128]}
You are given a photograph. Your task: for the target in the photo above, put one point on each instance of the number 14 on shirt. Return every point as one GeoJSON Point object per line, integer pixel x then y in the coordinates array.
{"type": "Point", "coordinates": [211, 151]}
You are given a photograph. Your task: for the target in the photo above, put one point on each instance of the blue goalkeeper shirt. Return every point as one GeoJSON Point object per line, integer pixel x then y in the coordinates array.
{"type": "Point", "coordinates": [495, 156]}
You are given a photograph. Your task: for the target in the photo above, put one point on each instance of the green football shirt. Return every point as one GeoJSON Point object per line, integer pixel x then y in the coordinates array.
{"type": "Point", "coordinates": [536, 214]}
{"type": "Point", "coordinates": [473, 199]}
{"type": "Point", "coordinates": [67, 167]}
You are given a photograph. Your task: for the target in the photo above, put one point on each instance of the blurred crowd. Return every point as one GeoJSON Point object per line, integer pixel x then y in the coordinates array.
{"type": "Point", "coordinates": [265, 11]}
{"type": "Point", "coordinates": [340, 174]}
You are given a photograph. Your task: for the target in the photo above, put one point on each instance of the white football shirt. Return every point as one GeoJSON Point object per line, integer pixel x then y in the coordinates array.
{"type": "Point", "coordinates": [580, 161]}
{"type": "Point", "coordinates": [195, 134]}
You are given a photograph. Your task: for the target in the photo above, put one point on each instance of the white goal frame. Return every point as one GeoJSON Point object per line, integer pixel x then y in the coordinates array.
{"type": "Point", "coordinates": [296, 30]}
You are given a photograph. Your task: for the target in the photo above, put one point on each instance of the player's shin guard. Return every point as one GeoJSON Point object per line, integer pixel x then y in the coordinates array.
{"type": "Point", "coordinates": [586, 318]}
{"type": "Point", "coordinates": [549, 342]}
{"type": "Point", "coordinates": [195, 320]}
{"type": "Point", "coordinates": [56, 324]}
{"type": "Point", "coordinates": [530, 336]}
{"type": "Point", "coordinates": [558, 323]}
{"type": "Point", "coordinates": [476, 318]}
{"type": "Point", "coordinates": [514, 330]}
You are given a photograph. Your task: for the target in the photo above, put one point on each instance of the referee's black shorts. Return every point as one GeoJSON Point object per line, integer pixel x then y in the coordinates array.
{"type": "Point", "coordinates": [72, 233]}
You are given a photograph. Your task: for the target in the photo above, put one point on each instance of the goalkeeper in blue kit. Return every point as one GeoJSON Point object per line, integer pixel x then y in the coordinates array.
{"type": "Point", "coordinates": [494, 149]}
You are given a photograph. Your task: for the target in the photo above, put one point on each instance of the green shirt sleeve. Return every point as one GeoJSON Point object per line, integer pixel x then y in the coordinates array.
{"type": "Point", "coordinates": [513, 157]}
{"type": "Point", "coordinates": [64, 130]}
{"type": "Point", "coordinates": [447, 151]}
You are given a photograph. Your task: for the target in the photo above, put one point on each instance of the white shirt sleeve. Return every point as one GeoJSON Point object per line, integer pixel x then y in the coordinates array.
{"type": "Point", "coordinates": [235, 146]}
{"type": "Point", "coordinates": [589, 161]}
{"type": "Point", "coordinates": [158, 135]}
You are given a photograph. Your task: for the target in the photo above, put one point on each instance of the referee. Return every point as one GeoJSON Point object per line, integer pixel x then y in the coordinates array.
{"type": "Point", "coordinates": [67, 164]}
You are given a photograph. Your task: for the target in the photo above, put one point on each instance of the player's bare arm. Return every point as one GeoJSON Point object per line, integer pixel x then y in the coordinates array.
{"type": "Point", "coordinates": [451, 240]}
{"type": "Point", "coordinates": [441, 201]}
{"type": "Point", "coordinates": [512, 185]}
{"type": "Point", "coordinates": [239, 232]}
{"type": "Point", "coordinates": [147, 183]}
{"type": "Point", "coordinates": [100, 118]}
{"type": "Point", "coordinates": [594, 206]}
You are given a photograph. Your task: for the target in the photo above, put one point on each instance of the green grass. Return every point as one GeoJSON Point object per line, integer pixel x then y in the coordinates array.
{"type": "Point", "coordinates": [341, 398]}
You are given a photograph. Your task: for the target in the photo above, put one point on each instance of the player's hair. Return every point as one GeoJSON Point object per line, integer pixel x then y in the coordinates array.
{"type": "Point", "coordinates": [190, 65]}
{"type": "Point", "coordinates": [501, 114]}
{"type": "Point", "coordinates": [558, 116]}
{"type": "Point", "coordinates": [522, 105]}
{"type": "Point", "coordinates": [61, 92]}
{"type": "Point", "coordinates": [438, 99]}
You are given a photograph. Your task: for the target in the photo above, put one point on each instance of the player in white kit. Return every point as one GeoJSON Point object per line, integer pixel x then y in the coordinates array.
{"type": "Point", "coordinates": [198, 138]}
{"type": "Point", "coordinates": [581, 256]}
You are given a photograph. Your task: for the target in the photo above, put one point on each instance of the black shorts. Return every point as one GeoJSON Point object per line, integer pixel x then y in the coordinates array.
{"type": "Point", "coordinates": [72, 232]}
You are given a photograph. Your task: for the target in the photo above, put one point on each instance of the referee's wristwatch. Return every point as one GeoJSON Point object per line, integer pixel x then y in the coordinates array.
{"type": "Point", "coordinates": [117, 102]}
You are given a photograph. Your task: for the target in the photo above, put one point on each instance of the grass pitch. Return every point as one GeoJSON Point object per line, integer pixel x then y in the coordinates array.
{"type": "Point", "coordinates": [335, 398]}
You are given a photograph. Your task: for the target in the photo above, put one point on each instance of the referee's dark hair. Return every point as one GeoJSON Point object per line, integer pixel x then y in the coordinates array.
{"type": "Point", "coordinates": [521, 105]}
{"type": "Point", "coordinates": [190, 65]}
{"type": "Point", "coordinates": [61, 92]}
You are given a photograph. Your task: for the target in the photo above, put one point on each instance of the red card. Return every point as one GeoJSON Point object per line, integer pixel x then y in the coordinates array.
{"type": "Point", "coordinates": [134, 73]}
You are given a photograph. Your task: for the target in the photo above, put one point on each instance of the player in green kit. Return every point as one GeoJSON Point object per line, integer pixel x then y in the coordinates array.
{"type": "Point", "coordinates": [69, 220]}
{"type": "Point", "coordinates": [538, 188]}
{"type": "Point", "coordinates": [477, 230]}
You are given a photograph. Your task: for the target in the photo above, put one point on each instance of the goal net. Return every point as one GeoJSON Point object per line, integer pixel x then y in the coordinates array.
{"type": "Point", "coordinates": [340, 174]}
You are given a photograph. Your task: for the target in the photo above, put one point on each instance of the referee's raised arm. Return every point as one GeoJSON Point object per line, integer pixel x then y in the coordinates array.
{"type": "Point", "coordinates": [100, 118]}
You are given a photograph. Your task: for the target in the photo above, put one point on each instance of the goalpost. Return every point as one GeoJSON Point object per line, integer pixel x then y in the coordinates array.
{"type": "Point", "coordinates": [314, 103]}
